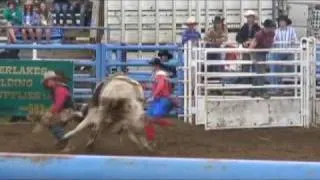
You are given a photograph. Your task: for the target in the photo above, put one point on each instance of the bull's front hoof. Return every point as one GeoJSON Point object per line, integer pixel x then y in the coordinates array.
{"type": "Point", "coordinates": [62, 143]}
{"type": "Point", "coordinates": [67, 149]}
{"type": "Point", "coordinates": [90, 145]}
{"type": "Point", "coordinates": [151, 147]}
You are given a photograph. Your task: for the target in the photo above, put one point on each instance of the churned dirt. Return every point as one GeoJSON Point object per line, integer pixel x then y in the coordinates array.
{"type": "Point", "coordinates": [183, 140]}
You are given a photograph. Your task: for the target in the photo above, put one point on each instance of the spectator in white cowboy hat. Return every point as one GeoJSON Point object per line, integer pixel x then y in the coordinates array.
{"type": "Point", "coordinates": [191, 34]}
{"type": "Point", "coordinates": [244, 37]}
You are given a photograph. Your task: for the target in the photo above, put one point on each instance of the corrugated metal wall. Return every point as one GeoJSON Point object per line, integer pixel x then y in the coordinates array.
{"type": "Point", "coordinates": [300, 13]}
{"type": "Point", "coordinates": [161, 21]}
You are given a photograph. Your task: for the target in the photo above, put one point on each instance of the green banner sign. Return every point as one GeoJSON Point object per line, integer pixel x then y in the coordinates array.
{"type": "Point", "coordinates": [21, 89]}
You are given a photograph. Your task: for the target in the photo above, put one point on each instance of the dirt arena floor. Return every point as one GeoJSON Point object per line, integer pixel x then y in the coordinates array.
{"type": "Point", "coordinates": [183, 140]}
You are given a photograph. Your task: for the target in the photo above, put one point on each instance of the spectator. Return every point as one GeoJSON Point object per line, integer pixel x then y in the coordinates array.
{"type": "Point", "coordinates": [13, 16]}
{"type": "Point", "coordinates": [285, 36]}
{"type": "Point", "coordinates": [31, 18]}
{"type": "Point", "coordinates": [61, 6]}
{"type": "Point", "coordinates": [263, 39]}
{"type": "Point", "coordinates": [214, 39]}
{"type": "Point", "coordinates": [231, 56]}
{"type": "Point", "coordinates": [191, 34]}
{"type": "Point", "coordinates": [169, 63]}
{"type": "Point", "coordinates": [79, 6]}
{"type": "Point", "coordinates": [245, 36]}
{"type": "Point", "coordinates": [45, 20]}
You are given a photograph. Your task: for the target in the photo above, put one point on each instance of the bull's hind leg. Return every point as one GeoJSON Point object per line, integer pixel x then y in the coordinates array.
{"type": "Point", "coordinates": [145, 143]}
{"type": "Point", "coordinates": [95, 131]}
{"type": "Point", "coordinates": [142, 143]}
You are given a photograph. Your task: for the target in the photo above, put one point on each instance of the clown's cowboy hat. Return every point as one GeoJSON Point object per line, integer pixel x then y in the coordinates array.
{"type": "Point", "coordinates": [250, 13]}
{"type": "Point", "coordinates": [58, 76]}
{"type": "Point", "coordinates": [191, 21]}
{"type": "Point", "coordinates": [156, 61]}
{"type": "Point", "coordinates": [165, 53]}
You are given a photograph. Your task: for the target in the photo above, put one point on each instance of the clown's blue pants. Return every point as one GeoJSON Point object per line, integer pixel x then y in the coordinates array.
{"type": "Point", "coordinates": [160, 107]}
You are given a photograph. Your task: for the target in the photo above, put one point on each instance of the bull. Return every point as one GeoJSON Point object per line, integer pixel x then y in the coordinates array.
{"type": "Point", "coordinates": [117, 104]}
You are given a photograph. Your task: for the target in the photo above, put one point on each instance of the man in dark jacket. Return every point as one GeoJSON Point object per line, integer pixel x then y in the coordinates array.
{"type": "Point", "coordinates": [245, 36]}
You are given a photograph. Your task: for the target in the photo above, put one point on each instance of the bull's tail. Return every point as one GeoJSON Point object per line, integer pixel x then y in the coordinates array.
{"type": "Point", "coordinates": [89, 119]}
{"type": "Point", "coordinates": [85, 123]}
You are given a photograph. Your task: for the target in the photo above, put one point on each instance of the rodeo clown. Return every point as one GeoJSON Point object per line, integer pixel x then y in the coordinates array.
{"type": "Point", "coordinates": [62, 108]}
{"type": "Point", "coordinates": [160, 103]}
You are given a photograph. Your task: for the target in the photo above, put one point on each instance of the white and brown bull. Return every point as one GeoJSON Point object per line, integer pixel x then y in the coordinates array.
{"type": "Point", "coordinates": [117, 105]}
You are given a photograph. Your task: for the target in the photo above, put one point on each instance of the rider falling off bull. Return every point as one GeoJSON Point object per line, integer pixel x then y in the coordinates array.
{"type": "Point", "coordinates": [62, 108]}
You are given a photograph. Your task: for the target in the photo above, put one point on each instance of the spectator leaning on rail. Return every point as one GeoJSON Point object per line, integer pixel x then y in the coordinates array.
{"type": "Point", "coordinates": [214, 39]}
{"type": "Point", "coordinates": [191, 34]}
{"type": "Point", "coordinates": [161, 102]}
{"type": "Point", "coordinates": [244, 37]}
{"type": "Point", "coordinates": [31, 18]}
{"type": "Point", "coordinates": [285, 37]}
{"type": "Point", "coordinates": [62, 108]}
{"type": "Point", "coordinates": [45, 20]}
{"type": "Point", "coordinates": [263, 40]}
{"type": "Point", "coordinates": [13, 15]}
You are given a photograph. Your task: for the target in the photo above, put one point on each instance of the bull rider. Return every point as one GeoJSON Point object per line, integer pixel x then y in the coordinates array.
{"type": "Point", "coordinates": [62, 108]}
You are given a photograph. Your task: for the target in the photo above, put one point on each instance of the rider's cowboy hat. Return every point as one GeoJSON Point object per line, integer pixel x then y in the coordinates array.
{"type": "Point", "coordinates": [59, 76]}
{"type": "Point", "coordinates": [165, 53]}
{"type": "Point", "coordinates": [284, 18]}
{"type": "Point", "coordinates": [191, 21]}
{"type": "Point", "coordinates": [250, 13]}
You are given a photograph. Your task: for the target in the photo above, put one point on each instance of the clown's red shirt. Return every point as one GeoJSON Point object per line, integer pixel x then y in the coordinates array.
{"type": "Point", "coordinates": [162, 85]}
